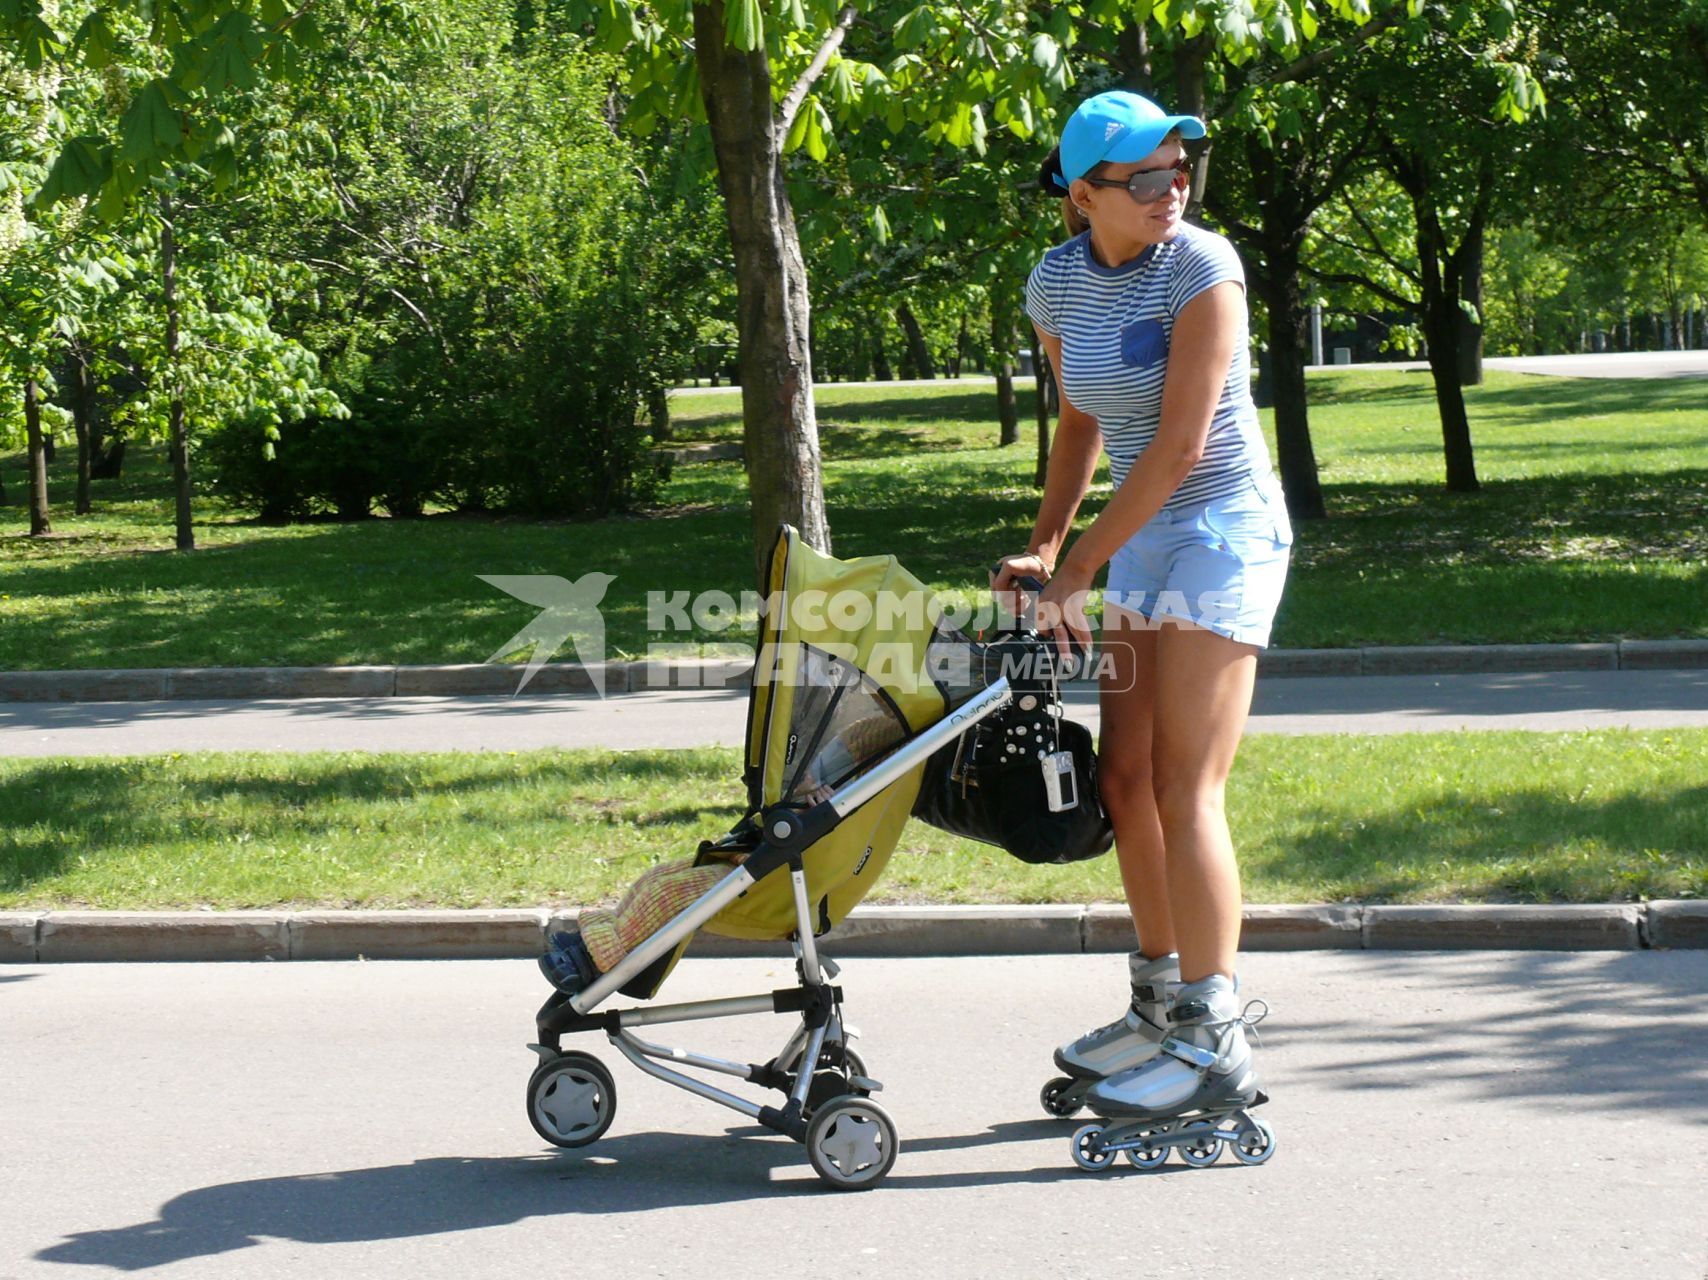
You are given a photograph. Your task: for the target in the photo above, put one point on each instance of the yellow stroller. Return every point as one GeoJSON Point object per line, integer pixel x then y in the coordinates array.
{"type": "Point", "coordinates": [858, 681]}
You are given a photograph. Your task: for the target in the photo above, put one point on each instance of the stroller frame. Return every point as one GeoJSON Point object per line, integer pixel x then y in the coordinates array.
{"type": "Point", "coordinates": [851, 1141]}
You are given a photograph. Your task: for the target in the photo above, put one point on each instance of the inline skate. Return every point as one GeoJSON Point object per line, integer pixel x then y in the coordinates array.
{"type": "Point", "coordinates": [1128, 1042]}
{"type": "Point", "coordinates": [1194, 1094]}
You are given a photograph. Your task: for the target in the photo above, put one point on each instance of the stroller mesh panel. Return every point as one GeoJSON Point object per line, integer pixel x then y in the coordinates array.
{"type": "Point", "coordinates": [841, 721]}
{"type": "Point", "coordinates": [955, 662]}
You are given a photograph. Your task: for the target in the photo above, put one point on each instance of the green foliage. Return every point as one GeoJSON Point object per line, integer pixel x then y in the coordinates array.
{"type": "Point", "coordinates": [201, 58]}
{"type": "Point", "coordinates": [87, 268]}
{"type": "Point", "coordinates": [1552, 293]}
{"type": "Point", "coordinates": [492, 281]}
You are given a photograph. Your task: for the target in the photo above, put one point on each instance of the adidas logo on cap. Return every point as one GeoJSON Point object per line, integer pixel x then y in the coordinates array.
{"type": "Point", "coordinates": [1112, 128]}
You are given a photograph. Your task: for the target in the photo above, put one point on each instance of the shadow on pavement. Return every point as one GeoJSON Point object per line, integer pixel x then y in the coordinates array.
{"type": "Point", "coordinates": [627, 1174]}
{"type": "Point", "coordinates": [1608, 1032]}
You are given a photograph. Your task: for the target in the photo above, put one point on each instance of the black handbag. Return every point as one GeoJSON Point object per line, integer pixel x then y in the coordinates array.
{"type": "Point", "coordinates": [990, 785]}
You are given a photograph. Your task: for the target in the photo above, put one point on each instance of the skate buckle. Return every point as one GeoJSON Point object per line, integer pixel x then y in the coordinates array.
{"type": "Point", "coordinates": [1189, 1052]}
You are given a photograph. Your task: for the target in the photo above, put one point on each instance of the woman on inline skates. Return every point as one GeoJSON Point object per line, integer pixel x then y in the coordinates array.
{"type": "Point", "coordinates": [1144, 319]}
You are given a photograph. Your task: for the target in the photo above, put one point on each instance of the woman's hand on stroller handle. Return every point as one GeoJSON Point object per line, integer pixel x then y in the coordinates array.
{"type": "Point", "coordinates": [1012, 578]}
{"type": "Point", "coordinates": [1058, 607]}
{"type": "Point", "coordinates": [1061, 612]}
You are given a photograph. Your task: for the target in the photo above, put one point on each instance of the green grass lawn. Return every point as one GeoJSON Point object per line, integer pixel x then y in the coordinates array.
{"type": "Point", "coordinates": [1592, 525]}
{"type": "Point", "coordinates": [1596, 816]}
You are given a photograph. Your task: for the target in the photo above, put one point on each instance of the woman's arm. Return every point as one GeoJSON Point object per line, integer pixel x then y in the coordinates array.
{"type": "Point", "coordinates": [1201, 351]}
{"type": "Point", "coordinates": [1073, 461]}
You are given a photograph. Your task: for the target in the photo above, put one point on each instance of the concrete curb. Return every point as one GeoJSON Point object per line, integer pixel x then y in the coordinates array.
{"type": "Point", "coordinates": [29, 937]}
{"type": "Point", "coordinates": [498, 679]}
{"type": "Point", "coordinates": [1678, 924]}
{"type": "Point", "coordinates": [1597, 927]}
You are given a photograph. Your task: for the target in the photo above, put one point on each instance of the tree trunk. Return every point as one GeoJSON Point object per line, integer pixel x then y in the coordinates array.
{"type": "Point", "coordinates": [82, 411]}
{"type": "Point", "coordinates": [39, 522]}
{"type": "Point", "coordinates": [1007, 411]}
{"type": "Point", "coordinates": [1278, 283]}
{"type": "Point", "coordinates": [1002, 355]}
{"type": "Point", "coordinates": [1284, 187]}
{"type": "Point", "coordinates": [1441, 318]}
{"type": "Point", "coordinates": [178, 444]}
{"type": "Point", "coordinates": [40, 116]}
{"type": "Point", "coordinates": [1470, 263]}
{"type": "Point", "coordinates": [1441, 275]}
{"type": "Point", "coordinates": [1041, 372]}
{"type": "Point", "coordinates": [918, 354]}
{"type": "Point", "coordinates": [1133, 50]}
{"type": "Point", "coordinates": [880, 359]}
{"type": "Point", "coordinates": [1263, 385]}
{"type": "Point", "coordinates": [658, 412]}
{"type": "Point", "coordinates": [960, 348]}
{"type": "Point", "coordinates": [1189, 76]}
{"type": "Point", "coordinates": [779, 427]}
{"type": "Point", "coordinates": [1674, 300]}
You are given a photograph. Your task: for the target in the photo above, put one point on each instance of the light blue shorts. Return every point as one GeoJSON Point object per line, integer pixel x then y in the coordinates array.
{"type": "Point", "coordinates": [1219, 564]}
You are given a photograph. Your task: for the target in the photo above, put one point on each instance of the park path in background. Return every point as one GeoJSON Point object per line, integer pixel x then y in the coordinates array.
{"type": "Point", "coordinates": [1528, 1115]}
{"type": "Point", "coordinates": [1610, 364]}
{"type": "Point", "coordinates": [669, 718]}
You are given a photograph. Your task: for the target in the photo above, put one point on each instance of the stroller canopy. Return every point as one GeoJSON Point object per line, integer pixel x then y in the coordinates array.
{"type": "Point", "coordinates": [854, 658]}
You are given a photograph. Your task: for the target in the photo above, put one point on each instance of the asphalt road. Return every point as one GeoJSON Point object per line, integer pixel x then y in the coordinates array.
{"type": "Point", "coordinates": [685, 718]}
{"type": "Point", "coordinates": [1437, 1115]}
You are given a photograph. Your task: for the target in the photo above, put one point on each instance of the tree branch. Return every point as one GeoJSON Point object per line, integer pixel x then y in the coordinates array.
{"type": "Point", "coordinates": [1376, 242]}
{"type": "Point", "coordinates": [1336, 177]}
{"type": "Point", "coordinates": [798, 93]}
{"type": "Point", "coordinates": [1362, 282]}
{"type": "Point", "coordinates": [1306, 67]}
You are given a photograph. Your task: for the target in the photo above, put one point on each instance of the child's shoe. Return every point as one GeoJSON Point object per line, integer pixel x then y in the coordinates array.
{"type": "Point", "coordinates": [567, 964]}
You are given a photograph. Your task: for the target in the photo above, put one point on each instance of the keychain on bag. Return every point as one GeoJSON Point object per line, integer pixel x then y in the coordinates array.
{"type": "Point", "coordinates": [1059, 785]}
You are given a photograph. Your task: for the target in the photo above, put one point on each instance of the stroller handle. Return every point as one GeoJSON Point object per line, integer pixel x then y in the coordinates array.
{"type": "Point", "coordinates": [1031, 587]}
{"type": "Point", "coordinates": [1025, 581]}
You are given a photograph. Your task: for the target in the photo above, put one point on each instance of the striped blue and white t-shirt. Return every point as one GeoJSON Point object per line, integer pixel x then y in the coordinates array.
{"type": "Point", "coordinates": [1115, 324]}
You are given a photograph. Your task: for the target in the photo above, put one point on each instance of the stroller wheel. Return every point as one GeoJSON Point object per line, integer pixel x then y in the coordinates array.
{"type": "Point", "coordinates": [852, 1143]}
{"type": "Point", "coordinates": [571, 1100]}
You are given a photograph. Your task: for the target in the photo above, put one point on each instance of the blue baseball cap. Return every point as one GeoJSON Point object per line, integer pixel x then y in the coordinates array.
{"type": "Point", "coordinates": [1120, 127]}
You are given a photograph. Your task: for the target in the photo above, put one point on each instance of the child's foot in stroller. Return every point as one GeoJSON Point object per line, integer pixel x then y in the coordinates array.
{"type": "Point", "coordinates": [567, 964]}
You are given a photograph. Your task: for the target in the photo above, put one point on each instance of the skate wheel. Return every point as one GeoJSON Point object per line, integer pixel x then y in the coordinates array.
{"type": "Point", "coordinates": [1055, 1103]}
{"type": "Point", "coordinates": [1147, 1157]}
{"type": "Point", "coordinates": [571, 1100]}
{"type": "Point", "coordinates": [1255, 1144]}
{"type": "Point", "coordinates": [1088, 1150]}
{"type": "Point", "coordinates": [851, 1143]}
{"type": "Point", "coordinates": [1201, 1147]}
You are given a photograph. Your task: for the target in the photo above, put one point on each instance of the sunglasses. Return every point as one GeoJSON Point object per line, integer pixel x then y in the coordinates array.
{"type": "Point", "coordinates": [1149, 185]}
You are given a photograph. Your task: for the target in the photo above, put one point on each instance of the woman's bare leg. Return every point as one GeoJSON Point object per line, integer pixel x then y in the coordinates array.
{"type": "Point", "coordinates": [1203, 695]}
{"type": "Point", "coordinates": [1127, 693]}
